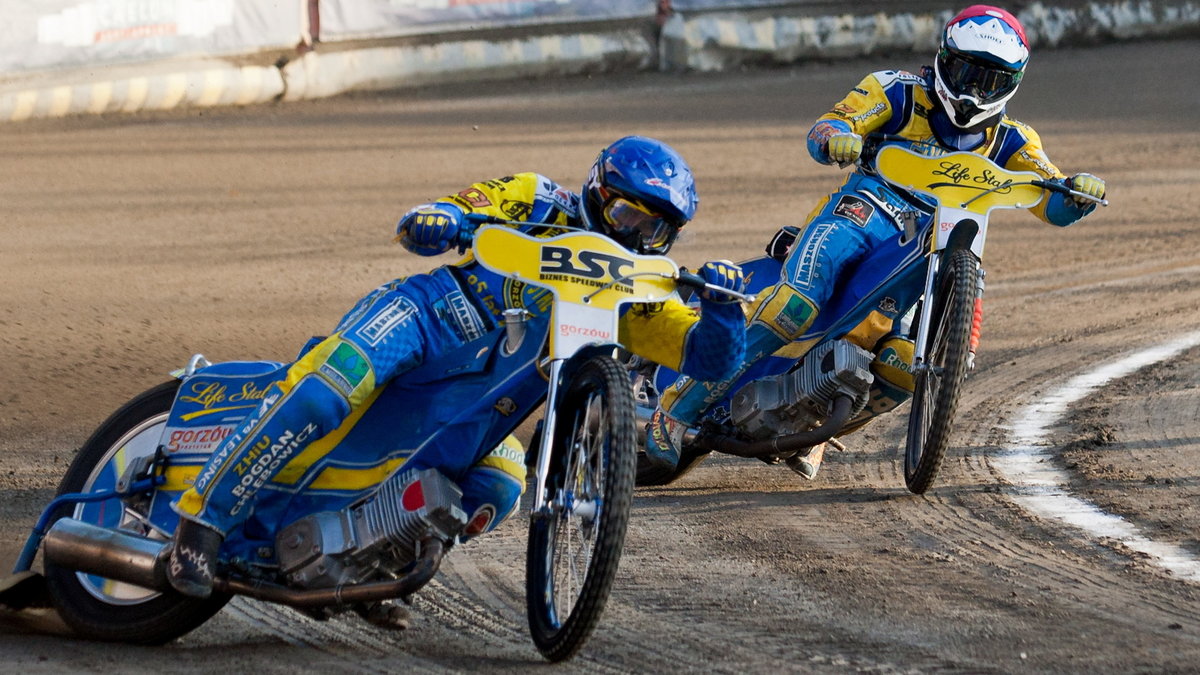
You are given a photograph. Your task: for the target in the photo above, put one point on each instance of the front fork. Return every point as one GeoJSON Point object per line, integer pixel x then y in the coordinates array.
{"type": "Point", "coordinates": [920, 361]}
{"type": "Point", "coordinates": [540, 503]}
{"type": "Point", "coordinates": [919, 364]}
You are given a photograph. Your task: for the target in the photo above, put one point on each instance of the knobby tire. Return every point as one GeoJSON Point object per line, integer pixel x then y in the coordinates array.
{"type": "Point", "coordinates": [937, 388]}
{"type": "Point", "coordinates": [600, 386]}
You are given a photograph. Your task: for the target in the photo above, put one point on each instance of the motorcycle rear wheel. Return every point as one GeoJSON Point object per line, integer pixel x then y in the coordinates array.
{"type": "Point", "coordinates": [935, 396]}
{"type": "Point", "coordinates": [98, 608]}
{"type": "Point", "coordinates": [575, 549]}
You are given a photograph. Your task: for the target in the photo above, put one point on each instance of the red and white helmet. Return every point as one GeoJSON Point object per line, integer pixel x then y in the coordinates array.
{"type": "Point", "coordinates": [979, 65]}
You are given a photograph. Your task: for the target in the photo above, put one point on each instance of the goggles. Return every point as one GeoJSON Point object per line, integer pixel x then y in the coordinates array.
{"type": "Point", "coordinates": [962, 75]}
{"type": "Point", "coordinates": [628, 217]}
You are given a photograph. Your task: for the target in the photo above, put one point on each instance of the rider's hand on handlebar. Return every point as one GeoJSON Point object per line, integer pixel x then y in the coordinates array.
{"type": "Point", "coordinates": [1087, 184]}
{"type": "Point", "coordinates": [430, 229]}
{"type": "Point", "coordinates": [724, 274]}
{"type": "Point", "coordinates": [844, 148]}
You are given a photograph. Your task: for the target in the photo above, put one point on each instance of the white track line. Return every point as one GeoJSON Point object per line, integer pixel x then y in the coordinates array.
{"type": "Point", "coordinates": [1038, 484]}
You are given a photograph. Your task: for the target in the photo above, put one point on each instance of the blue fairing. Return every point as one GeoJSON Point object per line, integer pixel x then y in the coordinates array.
{"type": "Point", "coordinates": [446, 414]}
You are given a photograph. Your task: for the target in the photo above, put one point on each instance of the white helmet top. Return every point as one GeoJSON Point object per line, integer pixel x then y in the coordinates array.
{"type": "Point", "coordinates": [979, 64]}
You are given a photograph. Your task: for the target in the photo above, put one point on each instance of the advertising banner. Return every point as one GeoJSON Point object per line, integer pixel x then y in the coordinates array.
{"type": "Point", "coordinates": [695, 5]}
{"type": "Point", "coordinates": [53, 34]}
{"type": "Point", "coordinates": [358, 19]}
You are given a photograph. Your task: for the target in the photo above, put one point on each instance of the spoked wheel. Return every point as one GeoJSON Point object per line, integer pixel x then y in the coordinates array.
{"type": "Point", "coordinates": [935, 395]}
{"type": "Point", "coordinates": [575, 548]}
{"type": "Point", "coordinates": [98, 608]}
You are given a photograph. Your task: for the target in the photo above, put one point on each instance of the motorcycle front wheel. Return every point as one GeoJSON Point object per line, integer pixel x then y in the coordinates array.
{"type": "Point", "coordinates": [575, 547]}
{"type": "Point", "coordinates": [935, 396]}
{"type": "Point", "coordinates": [101, 609]}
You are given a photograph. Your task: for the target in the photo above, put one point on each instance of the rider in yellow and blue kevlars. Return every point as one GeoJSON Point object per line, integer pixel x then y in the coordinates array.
{"type": "Point", "coordinates": [958, 104]}
{"type": "Point", "coordinates": [640, 192]}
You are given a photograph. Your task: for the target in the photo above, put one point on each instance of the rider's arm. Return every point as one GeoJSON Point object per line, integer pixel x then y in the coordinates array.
{"type": "Point", "coordinates": [528, 197]}
{"type": "Point", "coordinates": [708, 345]}
{"type": "Point", "coordinates": [1021, 150]}
{"type": "Point", "coordinates": [867, 108]}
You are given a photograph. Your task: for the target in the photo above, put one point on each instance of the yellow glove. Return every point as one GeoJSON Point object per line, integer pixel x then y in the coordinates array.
{"type": "Point", "coordinates": [1088, 185]}
{"type": "Point", "coordinates": [844, 148]}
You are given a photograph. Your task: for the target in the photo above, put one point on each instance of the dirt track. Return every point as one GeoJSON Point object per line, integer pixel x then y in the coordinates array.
{"type": "Point", "coordinates": [130, 243]}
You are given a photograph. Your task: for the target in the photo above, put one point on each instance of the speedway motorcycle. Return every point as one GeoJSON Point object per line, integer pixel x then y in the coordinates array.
{"type": "Point", "coordinates": [781, 407]}
{"type": "Point", "coordinates": [105, 536]}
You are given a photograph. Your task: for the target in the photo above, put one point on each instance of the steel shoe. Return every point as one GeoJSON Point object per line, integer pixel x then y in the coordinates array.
{"type": "Point", "coordinates": [193, 560]}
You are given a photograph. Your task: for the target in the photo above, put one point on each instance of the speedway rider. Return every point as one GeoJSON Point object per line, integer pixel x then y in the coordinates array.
{"type": "Point", "coordinates": [958, 104]}
{"type": "Point", "coordinates": [639, 192]}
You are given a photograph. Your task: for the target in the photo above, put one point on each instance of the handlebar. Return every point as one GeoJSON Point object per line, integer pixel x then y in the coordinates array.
{"type": "Point", "coordinates": [1063, 189]}
{"type": "Point", "coordinates": [1044, 184]}
{"type": "Point", "coordinates": [697, 282]}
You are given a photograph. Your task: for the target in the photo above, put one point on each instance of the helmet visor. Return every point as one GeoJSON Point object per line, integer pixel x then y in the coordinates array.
{"type": "Point", "coordinates": [627, 218]}
{"type": "Point", "coordinates": [986, 81]}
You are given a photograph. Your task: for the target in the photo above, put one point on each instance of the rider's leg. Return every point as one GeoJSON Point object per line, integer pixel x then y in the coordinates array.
{"type": "Point", "coordinates": [390, 331]}
{"type": "Point", "coordinates": [492, 488]}
{"type": "Point", "coordinates": [893, 385]}
{"type": "Point", "coordinates": [780, 315]}
{"type": "Point", "coordinates": [842, 231]}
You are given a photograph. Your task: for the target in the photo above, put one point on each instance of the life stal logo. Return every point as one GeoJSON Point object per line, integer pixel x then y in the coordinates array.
{"type": "Point", "coordinates": [209, 394]}
{"type": "Point", "coordinates": [961, 176]}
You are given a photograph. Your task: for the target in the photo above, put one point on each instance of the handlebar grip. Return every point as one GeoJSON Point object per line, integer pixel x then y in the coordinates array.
{"type": "Point", "coordinates": [690, 279]}
{"type": "Point", "coordinates": [1063, 189]}
{"type": "Point", "coordinates": [1052, 186]}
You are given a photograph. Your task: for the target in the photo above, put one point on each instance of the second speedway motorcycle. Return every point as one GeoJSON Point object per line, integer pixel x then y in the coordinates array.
{"type": "Point", "coordinates": [781, 406]}
{"type": "Point", "coordinates": [103, 539]}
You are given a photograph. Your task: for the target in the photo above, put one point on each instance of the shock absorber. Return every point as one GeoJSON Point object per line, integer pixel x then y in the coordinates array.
{"type": "Point", "coordinates": [976, 324]}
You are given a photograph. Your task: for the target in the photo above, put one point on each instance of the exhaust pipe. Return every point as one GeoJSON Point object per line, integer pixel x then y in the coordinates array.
{"type": "Point", "coordinates": [112, 554]}
{"type": "Point", "coordinates": [128, 558]}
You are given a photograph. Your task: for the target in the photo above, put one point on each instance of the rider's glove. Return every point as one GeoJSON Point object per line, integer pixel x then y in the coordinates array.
{"type": "Point", "coordinates": [724, 274]}
{"type": "Point", "coordinates": [430, 229]}
{"type": "Point", "coordinates": [844, 148]}
{"type": "Point", "coordinates": [1088, 185]}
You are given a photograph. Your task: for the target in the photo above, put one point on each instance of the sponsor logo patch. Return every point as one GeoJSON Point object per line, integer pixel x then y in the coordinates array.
{"type": "Point", "coordinates": [346, 368]}
{"type": "Point", "coordinates": [516, 210]}
{"type": "Point", "coordinates": [794, 315]}
{"type": "Point", "coordinates": [855, 209]}
{"type": "Point", "coordinates": [396, 312]}
{"type": "Point", "coordinates": [464, 316]}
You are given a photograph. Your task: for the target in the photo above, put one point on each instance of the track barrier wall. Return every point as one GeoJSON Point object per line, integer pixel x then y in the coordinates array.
{"type": "Point", "coordinates": [67, 57]}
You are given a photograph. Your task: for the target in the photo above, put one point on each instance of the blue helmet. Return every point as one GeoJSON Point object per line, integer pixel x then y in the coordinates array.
{"type": "Point", "coordinates": [640, 192]}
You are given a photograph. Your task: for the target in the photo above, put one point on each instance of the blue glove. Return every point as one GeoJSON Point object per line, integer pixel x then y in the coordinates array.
{"type": "Point", "coordinates": [726, 275]}
{"type": "Point", "coordinates": [430, 229]}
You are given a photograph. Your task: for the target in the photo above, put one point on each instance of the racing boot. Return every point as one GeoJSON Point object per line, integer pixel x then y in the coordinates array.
{"type": "Point", "coordinates": [193, 560]}
{"type": "Point", "coordinates": [664, 438]}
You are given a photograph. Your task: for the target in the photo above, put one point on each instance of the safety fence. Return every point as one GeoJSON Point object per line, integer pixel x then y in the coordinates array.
{"type": "Point", "coordinates": [61, 57]}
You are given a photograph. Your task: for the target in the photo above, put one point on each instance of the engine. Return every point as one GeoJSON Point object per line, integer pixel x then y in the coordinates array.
{"type": "Point", "coordinates": [799, 399]}
{"type": "Point", "coordinates": [375, 537]}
